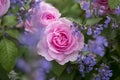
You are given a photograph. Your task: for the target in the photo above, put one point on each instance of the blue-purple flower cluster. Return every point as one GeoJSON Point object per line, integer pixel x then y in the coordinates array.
{"type": "Point", "coordinates": [86, 63]}
{"type": "Point", "coordinates": [36, 70]}
{"type": "Point", "coordinates": [104, 73]}
{"type": "Point", "coordinates": [98, 46]}
{"type": "Point", "coordinates": [18, 2]}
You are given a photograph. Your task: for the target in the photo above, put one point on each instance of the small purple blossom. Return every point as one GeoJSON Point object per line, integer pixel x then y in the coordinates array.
{"type": "Point", "coordinates": [102, 41]}
{"type": "Point", "coordinates": [117, 11]}
{"type": "Point", "coordinates": [89, 32]}
{"type": "Point", "coordinates": [85, 49]}
{"type": "Point", "coordinates": [18, 2]}
{"type": "Point", "coordinates": [86, 64]}
{"type": "Point", "coordinates": [88, 14]}
{"type": "Point", "coordinates": [29, 39]}
{"type": "Point", "coordinates": [98, 46]}
{"type": "Point", "coordinates": [104, 73]}
{"type": "Point", "coordinates": [85, 6]}
{"type": "Point", "coordinates": [39, 74]}
{"type": "Point", "coordinates": [46, 65]}
{"type": "Point", "coordinates": [40, 68]}
{"type": "Point", "coordinates": [22, 65]}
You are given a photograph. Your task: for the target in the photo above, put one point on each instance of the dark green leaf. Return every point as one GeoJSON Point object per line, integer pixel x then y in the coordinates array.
{"type": "Point", "coordinates": [9, 20]}
{"type": "Point", "coordinates": [117, 46]}
{"type": "Point", "coordinates": [27, 5]}
{"type": "Point", "coordinates": [67, 76]}
{"type": "Point", "coordinates": [93, 21]}
{"type": "Point", "coordinates": [118, 78]}
{"type": "Point", "coordinates": [76, 20]}
{"type": "Point", "coordinates": [58, 69]}
{"type": "Point", "coordinates": [13, 33]}
{"type": "Point", "coordinates": [66, 7]}
{"type": "Point", "coordinates": [3, 74]}
{"type": "Point", "coordinates": [113, 3]}
{"type": "Point", "coordinates": [8, 54]}
{"type": "Point", "coordinates": [1, 32]}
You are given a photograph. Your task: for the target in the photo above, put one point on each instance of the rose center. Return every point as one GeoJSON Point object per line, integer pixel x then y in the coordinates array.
{"type": "Point", "coordinates": [50, 16]}
{"type": "Point", "coordinates": [60, 40]}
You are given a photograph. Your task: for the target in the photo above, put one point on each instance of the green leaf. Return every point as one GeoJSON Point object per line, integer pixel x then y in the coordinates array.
{"type": "Point", "coordinates": [67, 76]}
{"type": "Point", "coordinates": [15, 9]}
{"type": "Point", "coordinates": [118, 78]}
{"type": "Point", "coordinates": [3, 74]}
{"type": "Point", "coordinates": [8, 54]}
{"type": "Point", "coordinates": [117, 46]}
{"type": "Point", "coordinates": [1, 32]}
{"type": "Point", "coordinates": [93, 21]}
{"type": "Point", "coordinates": [58, 69]}
{"type": "Point", "coordinates": [67, 7]}
{"type": "Point", "coordinates": [113, 3]}
{"type": "Point", "coordinates": [13, 33]}
{"type": "Point", "coordinates": [76, 20]}
{"type": "Point", "coordinates": [27, 5]}
{"type": "Point", "coordinates": [9, 20]}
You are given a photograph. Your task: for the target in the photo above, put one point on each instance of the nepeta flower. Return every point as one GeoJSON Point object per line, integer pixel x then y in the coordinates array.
{"type": "Point", "coordinates": [23, 66]}
{"type": "Point", "coordinates": [59, 43]}
{"type": "Point", "coordinates": [117, 11]}
{"type": "Point", "coordinates": [98, 46]}
{"type": "Point", "coordinates": [104, 73]}
{"type": "Point", "coordinates": [86, 63]}
{"type": "Point", "coordinates": [85, 5]}
{"type": "Point", "coordinates": [4, 6]}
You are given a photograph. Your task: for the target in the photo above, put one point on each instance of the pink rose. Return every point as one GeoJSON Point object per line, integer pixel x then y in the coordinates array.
{"type": "Point", "coordinates": [103, 6]}
{"type": "Point", "coordinates": [47, 14]}
{"type": "Point", "coordinates": [4, 6]}
{"type": "Point", "coordinates": [60, 42]}
{"type": "Point", "coordinates": [42, 16]}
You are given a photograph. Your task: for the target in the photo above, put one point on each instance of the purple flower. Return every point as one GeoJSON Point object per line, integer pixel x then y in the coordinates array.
{"type": "Point", "coordinates": [46, 65]}
{"type": "Point", "coordinates": [102, 41]}
{"type": "Point", "coordinates": [98, 46]}
{"type": "Point", "coordinates": [86, 63]}
{"type": "Point", "coordinates": [117, 11]}
{"type": "Point", "coordinates": [89, 32]}
{"type": "Point", "coordinates": [107, 21]}
{"type": "Point", "coordinates": [88, 14]}
{"type": "Point", "coordinates": [39, 74]}
{"type": "Point", "coordinates": [18, 2]}
{"type": "Point", "coordinates": [104, 73]}
{"type": "Point", "coordinates": [29, 39]}
{"type": "Point", "coordinates": [85, 6]}
{"type": "Point", "coordinates": [22, 65]}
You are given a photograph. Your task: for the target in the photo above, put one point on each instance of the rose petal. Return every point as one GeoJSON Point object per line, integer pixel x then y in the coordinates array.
{"type": "Point", "coordinates": [72, 57]}
{"type": "Point", "coordinates": [58, 57]}
{"type": "Point", "coordinates": [43, 50]}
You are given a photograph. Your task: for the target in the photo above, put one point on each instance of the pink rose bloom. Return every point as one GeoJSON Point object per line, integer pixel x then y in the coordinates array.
{"type": "Point", "coordinates": [4, 6]}
{"type": "Point", "coordinates": [60, 42]}
{"type": "Point", "coordinates": [102, 5]}
{"type": "Point", "coordinates": [42, 16]}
